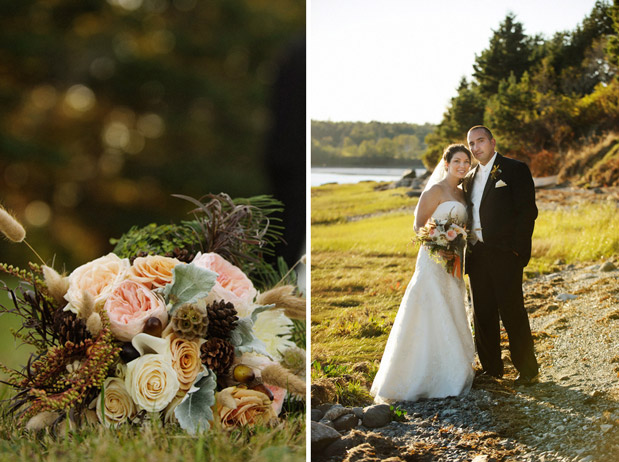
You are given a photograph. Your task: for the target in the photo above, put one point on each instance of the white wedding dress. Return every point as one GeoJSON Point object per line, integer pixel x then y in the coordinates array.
{"type": "Point", "coordinates": [430, 351]}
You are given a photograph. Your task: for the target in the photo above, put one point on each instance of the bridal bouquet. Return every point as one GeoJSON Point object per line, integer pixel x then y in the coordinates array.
{"type": "Point", "coordinates": [171, 323]}
{"type": "Point", "coordinates": [445, 239]}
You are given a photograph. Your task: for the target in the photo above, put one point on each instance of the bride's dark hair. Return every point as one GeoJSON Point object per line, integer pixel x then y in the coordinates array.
{"type": "Point", "coordinates": [452, 149]}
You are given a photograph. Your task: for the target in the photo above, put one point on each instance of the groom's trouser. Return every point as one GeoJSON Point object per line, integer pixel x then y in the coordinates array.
{"type": "Point", "coordinates": [496, 285]}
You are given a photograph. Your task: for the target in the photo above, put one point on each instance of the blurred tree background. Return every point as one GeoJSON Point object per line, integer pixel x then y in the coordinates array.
{"type": "Point", "coordinates": [108, 107]}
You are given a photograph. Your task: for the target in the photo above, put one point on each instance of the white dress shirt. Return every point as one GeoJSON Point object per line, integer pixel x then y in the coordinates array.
{"type": "Point", "coordinates": [479, 183]}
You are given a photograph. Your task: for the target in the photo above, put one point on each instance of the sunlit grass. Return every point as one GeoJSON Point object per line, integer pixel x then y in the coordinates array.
{"type": "Point", "coordinates": [368, 236]}
{"type": "Point", "coordinates": [152, 442]}
{"type": "Point", "coordinates": [331, 203]}
{"type": "Point", "coordinates": [586, 233]}
{"type": "Point", "coordinates": [360, 268]}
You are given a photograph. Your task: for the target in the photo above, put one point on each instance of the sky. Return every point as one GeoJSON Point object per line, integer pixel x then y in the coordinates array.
{"type": "Point", "coordinates": [402, 60]}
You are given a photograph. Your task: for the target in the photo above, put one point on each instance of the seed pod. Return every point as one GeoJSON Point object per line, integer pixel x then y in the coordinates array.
{"type": "Point", "coordinates": [243, 373]}
{"type": "Point", "coordinates": [153, 327]}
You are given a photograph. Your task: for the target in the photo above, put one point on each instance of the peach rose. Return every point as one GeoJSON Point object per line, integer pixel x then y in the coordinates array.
{"type": "Point", "coordinates": [153, 271]}
{"type": "Point", "coordinates": [98, 278]}
{"type": "Point", "coordinates": [129, 306]}
{"type": "Point", "coordinates": [252, 408]}
{"type": "Point", "coordinates": [186, 360]}
{"type": "Point", "coordinates": [451, 235]}
{"type": "Point", "coordinates": [118, 405]}
{"type": "Point", "coordinates": [232, 284]}
{"type": "Point", "coordinates": [152, 382]}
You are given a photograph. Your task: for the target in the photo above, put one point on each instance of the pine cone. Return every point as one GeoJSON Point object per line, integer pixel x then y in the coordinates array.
{"type": "Point", "coordinates": [217, 354]}
{"type": "Point", "coordinates": [69, 328]}
{"type": "Point", "coordinates": [190, 321]}
{"type": "Point", "coordinates": [222, 318]}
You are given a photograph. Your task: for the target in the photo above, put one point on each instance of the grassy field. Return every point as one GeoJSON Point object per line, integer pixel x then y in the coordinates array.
{"type": "Point", "coordinates": [363, 258]}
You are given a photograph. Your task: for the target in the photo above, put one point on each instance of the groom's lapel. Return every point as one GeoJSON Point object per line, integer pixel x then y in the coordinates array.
{"type": "Point", "coordinates": [490, 181]}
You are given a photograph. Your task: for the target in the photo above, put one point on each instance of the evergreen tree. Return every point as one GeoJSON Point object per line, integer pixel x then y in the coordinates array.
{"type": "Point", "coordinates": [510, 51]}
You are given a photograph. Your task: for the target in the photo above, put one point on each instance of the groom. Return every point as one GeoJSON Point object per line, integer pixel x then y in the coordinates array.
{"type": "Point", "coordinates": [501, 194]}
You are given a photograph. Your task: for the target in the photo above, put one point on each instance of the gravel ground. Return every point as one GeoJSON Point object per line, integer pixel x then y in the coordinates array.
{"type": "Point", "coordinates": [572, 415]}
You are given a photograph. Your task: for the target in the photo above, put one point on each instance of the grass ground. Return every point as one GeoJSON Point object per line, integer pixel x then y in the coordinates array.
{"type": "Point", "coordinates": [154, 443]}
{"type": "Point", "coordinates": [363, 258]}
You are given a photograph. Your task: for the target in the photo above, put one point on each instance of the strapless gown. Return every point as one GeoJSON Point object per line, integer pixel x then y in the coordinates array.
{"type": "Point", "coordinates": [430, 350]}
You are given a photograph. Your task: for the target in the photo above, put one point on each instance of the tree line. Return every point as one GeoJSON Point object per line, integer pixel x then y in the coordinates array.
{"type": "Point", "coordinates": [373, 143]}
{"type": "Point", "coordinates": [541, 97]}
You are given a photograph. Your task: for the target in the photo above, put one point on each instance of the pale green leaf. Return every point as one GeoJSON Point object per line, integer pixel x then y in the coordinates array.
{"type": "Point", "coordinates": [190, 283]}
{"type": "Point", "coordinates": [194, 413]}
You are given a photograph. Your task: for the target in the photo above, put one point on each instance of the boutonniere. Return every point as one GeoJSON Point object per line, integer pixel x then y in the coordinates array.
{"type": "Point", "coordinates": [495, 172]}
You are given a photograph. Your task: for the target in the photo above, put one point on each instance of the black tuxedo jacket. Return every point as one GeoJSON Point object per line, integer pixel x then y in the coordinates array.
{"type": "Point", "coordinates": [507, 212]}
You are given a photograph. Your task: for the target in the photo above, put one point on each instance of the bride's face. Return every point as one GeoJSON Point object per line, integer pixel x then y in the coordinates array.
{"type": "Point", "coordinates": [459, 165]}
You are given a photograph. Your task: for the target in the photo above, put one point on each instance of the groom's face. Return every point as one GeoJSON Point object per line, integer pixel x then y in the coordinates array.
{"type": "Point", "coordinates": [481, 146]}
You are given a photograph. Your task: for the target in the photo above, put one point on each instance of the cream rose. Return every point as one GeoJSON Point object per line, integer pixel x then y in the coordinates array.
{"type": "Point", "coordinates": [232, 284]}
{"type": "Point", "coordinates": [186, 360]}
{"type": "Point", "coordinates": [118, 405]}
{"type": "Point", "coordinates": [98, 278]}
{"type": "Point", "coordinates": [129, 306]}
{"type": "Point", "coordinates": [152, 382]}
{"type": "Point", "coordinates": [252, 408]}
{"type": "Point", "coordinates": [153, 271]}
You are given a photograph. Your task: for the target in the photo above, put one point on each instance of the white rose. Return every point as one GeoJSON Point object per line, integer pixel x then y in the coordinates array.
{"type": "Point", "coordinates": [151, 382]}
{"type": "Point", "coordinates": [98, 278]}
{"type": "Point", "coordinates": [118, 404]}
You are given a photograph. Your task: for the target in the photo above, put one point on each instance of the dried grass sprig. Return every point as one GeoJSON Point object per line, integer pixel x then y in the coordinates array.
{"type": "Point", "coordinates": [57, 285]}
{"type": "Point", "coordinates": [10, 227]}
{"type": "Point", "coordinates": [282, 297]}
{"type": "Point", "coordinates": [277, 375]}
{"type": "Point", "coordinates": [14, 231]}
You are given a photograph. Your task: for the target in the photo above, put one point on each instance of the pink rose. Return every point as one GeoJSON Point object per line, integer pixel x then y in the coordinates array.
{"type": "Point", "coordinates": [451, 234]}
{"type": "Point", "coordinates": [433, 232]}
{"type": "Point", "coordinates": [232, 284]}
{"type": "Point", "coordinates": [97, 277]}
{"type": "Point", "coordinates": [129, 306]}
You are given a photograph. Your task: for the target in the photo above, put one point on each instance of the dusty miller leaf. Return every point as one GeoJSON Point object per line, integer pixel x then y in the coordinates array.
{"type": "Point", "coordinates": [243, 337]}
{"type": "Point", "coordinates": [190, 283]}
{"type": "Point", "coordinates": [194, 413]}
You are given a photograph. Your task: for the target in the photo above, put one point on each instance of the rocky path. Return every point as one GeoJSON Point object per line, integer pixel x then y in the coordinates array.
{"type": "Point", "coordinates": [572, 415]}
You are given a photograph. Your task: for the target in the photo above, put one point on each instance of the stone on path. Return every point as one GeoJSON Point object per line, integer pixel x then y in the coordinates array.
{"type": "Point", "coordinates": [608, 266]}
{"type": "Point", "coordinates": [346, 422]}
{"type": "Point", "coordinates": [337, 411]}
{"type": "Point", "coordinates": [322, 436]}
{"type": "Point", "coordinates": [377, 416]}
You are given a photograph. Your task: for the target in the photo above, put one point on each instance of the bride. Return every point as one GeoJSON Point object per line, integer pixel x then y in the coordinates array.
{"type": "Point", "coordinates": [430, 351]}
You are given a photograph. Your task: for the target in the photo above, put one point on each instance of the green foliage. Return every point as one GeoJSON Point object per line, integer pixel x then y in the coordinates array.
{"type": "Point", "coordinates": [374, 143]}
{"type": "Point", "coordinates": [242, 230]}
{"type": "Point", "coordinates": [464, 111]}
{"type": "Point", "coordinates": [155, 239]}
{"type": "Point", "coordinates": [399, 414]}
{"type": "Point", "coordinates": [540, 97]}
{"type": "Point", "coordinates": [352, 393]}
{"type": "Point", "coordinates": [510, 52]}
